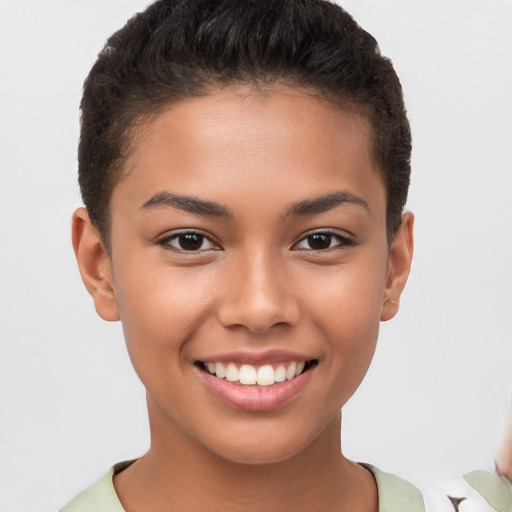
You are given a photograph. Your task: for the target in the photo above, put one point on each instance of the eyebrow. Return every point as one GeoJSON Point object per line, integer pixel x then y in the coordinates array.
{"type": "Point", "coordinates": [312, 206]}
{"type": "Point", "coordinates": [188, 204]}
{"type": "Point", "coordinates": [325, 203]}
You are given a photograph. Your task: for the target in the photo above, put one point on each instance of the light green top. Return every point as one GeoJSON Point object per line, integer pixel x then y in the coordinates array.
{"type": "Point", "coordinates": [101, 496]}
{"type": "Point", "coordinates": [395, 494]}
{"type": "Point", "coordinates": [497, 491]}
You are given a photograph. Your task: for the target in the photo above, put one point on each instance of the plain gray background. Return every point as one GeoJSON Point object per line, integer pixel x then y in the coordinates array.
{"type": "Point", "coordinates": [434, 401]}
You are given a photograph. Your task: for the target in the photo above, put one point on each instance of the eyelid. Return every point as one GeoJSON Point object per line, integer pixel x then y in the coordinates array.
{"type": "Point", "coordinates": [344, 240]}
{"type": "Point", "coordinates": [172, 235]}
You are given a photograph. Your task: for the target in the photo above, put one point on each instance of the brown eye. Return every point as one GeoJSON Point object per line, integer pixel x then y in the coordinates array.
{"type": "Point", "coordinates": [189, 241]}
{"type": "Point", "coordinates": [319, 241]}
{"type": "Point", "coordinates": [323, 240]}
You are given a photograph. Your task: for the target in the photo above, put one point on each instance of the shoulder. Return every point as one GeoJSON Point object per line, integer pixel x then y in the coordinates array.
{"type": "Point", "coordinates": [99, 497]}
{"type": "Point", "coordinates": [396, 494]}
{"type": "Point", "coordinates": [496, 490]}
{"type": "Point", "coordinates": [476, 491]}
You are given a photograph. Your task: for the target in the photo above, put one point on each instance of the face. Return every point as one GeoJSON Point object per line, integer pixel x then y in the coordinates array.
{"type": "Point", "coordinates": [250, 268]}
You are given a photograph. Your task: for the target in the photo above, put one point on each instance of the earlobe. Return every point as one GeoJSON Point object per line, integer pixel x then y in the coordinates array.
{"type": "Point", "coordinates": [399, 265]}
{"type": "Point", "coordinates": [94, 265]}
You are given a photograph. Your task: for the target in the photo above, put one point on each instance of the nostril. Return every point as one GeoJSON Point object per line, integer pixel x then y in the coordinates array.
{"type": "Point", "coordinates": [258, 318]}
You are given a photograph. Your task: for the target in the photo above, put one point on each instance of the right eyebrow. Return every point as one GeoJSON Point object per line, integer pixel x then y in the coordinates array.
{"type": "Point", "coordinates": [325, 203]}
{"type": "Point", "coordinates": [189, 204]}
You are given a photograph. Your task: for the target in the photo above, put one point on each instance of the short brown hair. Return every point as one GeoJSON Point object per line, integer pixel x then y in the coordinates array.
{"type": "Point", "coordinates": [181, 48]}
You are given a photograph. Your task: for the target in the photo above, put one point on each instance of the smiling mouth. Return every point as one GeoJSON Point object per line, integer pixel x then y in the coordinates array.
{"type": "Point", "coordinates": [257, 375]}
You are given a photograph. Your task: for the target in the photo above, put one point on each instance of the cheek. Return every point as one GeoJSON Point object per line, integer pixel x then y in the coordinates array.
{"type": "Point", "coordinates": [348, 299]}
{"type": "Point", "coordinates": [160, 306]}
{"type": "Point", "coordinates": [346, 308]}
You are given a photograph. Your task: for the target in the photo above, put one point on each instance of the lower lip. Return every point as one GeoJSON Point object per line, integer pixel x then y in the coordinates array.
{"type": "Point", "coordinates": [252, 398]}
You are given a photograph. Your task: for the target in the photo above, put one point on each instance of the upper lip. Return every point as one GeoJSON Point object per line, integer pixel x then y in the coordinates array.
{"type": "Point", "coordinates": [256, 357]}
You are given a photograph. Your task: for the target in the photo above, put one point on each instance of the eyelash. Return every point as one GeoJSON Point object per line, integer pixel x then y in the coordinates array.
{"type": "Point", "coordinates": [342, 241]}
{"type": "Point", "coordinates": [166, 242]}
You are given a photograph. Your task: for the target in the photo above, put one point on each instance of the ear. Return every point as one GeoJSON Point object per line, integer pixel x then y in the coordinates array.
{"type": "Point", "coordinates": [399, 265]}
{"type": "Point", "coordinates": [94, 265]}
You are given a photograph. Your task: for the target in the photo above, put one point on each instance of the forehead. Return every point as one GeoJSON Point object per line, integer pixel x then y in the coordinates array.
{"type": "Point", "coordinates": [235, 139]}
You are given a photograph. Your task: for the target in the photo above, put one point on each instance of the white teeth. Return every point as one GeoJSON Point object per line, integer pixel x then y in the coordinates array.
{"type": "Point", "coordinates": [232, 372]}
{"type": "Point", "coordinates": [220, 370]}
{"type": "Point", "coordinates": [280, 374]}
{"type": "Point", "coordinates": [265, 376]}
{"type": "Point", "coordinates": [290, 371]}
{"type": "Point", "coordinates": [250, 375]}
{"type": "Point", "coordinates": [247, 374]}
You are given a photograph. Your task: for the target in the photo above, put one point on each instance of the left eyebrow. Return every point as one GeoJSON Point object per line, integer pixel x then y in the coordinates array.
{"type": "Point", "coordinates": [189, 204]}
{"type": "Point", "coordinates": [325, 203]}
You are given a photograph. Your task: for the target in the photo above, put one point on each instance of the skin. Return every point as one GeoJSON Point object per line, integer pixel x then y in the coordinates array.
{"type": "Point", "coordinates": [258, 285]}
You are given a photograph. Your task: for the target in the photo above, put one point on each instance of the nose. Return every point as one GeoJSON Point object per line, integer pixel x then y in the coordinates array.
{"type": "Point", "coordinates": [259, 294]}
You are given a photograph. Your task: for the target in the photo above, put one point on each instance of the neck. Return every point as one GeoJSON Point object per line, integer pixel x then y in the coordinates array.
{"type": "Point", "coordinates": [178, 473]}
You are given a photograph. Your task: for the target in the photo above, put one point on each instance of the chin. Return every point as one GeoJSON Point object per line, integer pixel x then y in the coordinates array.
{"type": "Point", "coordinates": [260, 449]}
{"type": "Point", "coordinates": [256, 456]}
